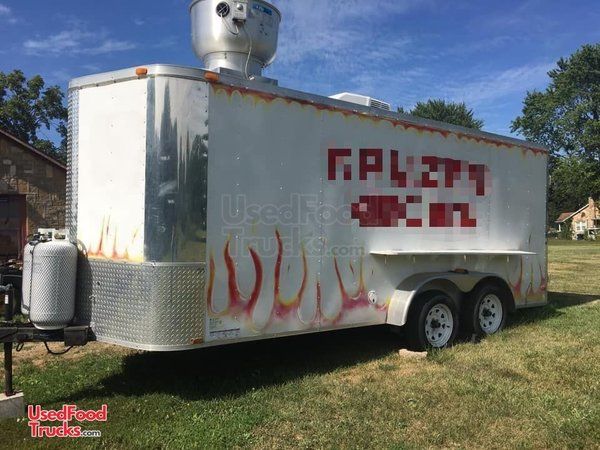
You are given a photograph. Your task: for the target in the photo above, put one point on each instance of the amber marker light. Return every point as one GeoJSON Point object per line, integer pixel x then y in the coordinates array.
{"type": "Point", "coordinates": [141, 71]}
{"type": "Point", "coordinates": [211, 76]}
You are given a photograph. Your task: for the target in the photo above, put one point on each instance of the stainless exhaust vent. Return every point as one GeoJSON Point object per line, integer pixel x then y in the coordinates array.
{"type": "Point", "coordinates": [238, 35]}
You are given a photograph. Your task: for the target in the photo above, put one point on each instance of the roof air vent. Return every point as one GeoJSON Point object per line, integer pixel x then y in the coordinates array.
{"type": "Point", "coordinates": [362, 100]}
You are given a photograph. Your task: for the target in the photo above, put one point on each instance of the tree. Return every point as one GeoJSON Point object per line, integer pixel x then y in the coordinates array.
{"type": "Point", "coordinates": [26, 107]}
{"type": "Point", "coordinates": [449, 112]}
{"type": "Point", "coordinates": [573, 180]}
{"type": "Point", "coordinates": [566, 116]}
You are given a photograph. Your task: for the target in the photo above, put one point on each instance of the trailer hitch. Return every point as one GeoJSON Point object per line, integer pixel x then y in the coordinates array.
{"type": "Point", "coordinates": [18, 333]}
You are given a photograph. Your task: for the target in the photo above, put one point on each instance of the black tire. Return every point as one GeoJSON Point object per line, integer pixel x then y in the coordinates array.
{"type": "Point", "coordinates": [474, 325]}
{"type": "Point", "coordinates": [420, 322]}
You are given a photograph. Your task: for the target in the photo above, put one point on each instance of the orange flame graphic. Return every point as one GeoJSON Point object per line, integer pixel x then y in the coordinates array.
{"type": "Point", "coordinates": [532, 294]}
{"type": "Point", "coordinates": [104, 250]}
{"type": "Point", "coordinates": [237, 302]}
{"type": "Point", "coordinates": [358, 299]}
{"type": "Point", "coordinates": [282, 306]}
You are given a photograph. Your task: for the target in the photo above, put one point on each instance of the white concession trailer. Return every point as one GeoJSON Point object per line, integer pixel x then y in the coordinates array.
{"type": "Point", "coordinates": [213, 206]}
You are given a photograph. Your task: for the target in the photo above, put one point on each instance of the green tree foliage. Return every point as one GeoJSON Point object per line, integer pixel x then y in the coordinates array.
{"type": "Point", "coordinates": [449, 112]}
{"type": "Point", "coordinates": [566, 116]}
{"type": "Point", "coordinates": [573, 180]}
{"type": "Point", "coordinates": [27, 106]}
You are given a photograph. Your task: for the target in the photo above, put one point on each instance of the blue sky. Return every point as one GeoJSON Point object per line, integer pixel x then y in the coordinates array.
{"type": "Point", "coordinates": [486, 53]}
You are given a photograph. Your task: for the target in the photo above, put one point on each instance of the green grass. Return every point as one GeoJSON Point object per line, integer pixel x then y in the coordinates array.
{"type": "Point", "coordinates": [536, 385]}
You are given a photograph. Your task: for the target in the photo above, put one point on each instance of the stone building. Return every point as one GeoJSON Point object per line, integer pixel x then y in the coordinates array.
{"type": "Point", "coordinates": [32, 194]}
{"type": "Point", "coordinates": [584, 223]}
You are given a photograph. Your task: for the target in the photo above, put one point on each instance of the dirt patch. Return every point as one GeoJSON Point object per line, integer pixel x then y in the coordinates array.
{"type": "Point", "coordinates": [412, 355]}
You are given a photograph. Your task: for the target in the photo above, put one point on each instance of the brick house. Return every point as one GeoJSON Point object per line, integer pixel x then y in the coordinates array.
{"type": "Point", "coordinates": [32, 194]}
{"type": "Point", "coordinates": [585, 222]}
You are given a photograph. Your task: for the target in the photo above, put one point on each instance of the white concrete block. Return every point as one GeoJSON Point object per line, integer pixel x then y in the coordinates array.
{"type": "Point", "coordinates": [12, 407]}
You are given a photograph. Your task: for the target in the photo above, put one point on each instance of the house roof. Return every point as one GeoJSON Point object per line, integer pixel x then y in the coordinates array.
{"type": "Point", "coordinates": [564, 216]}
{"type": "Point", "coordinates": [33, 150]}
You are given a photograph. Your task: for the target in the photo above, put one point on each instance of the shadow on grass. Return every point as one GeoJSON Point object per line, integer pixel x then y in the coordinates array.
{"type": "Point", "coordinates": [557, 301]}
{"type": "Point", "coordinates": [236, 369]}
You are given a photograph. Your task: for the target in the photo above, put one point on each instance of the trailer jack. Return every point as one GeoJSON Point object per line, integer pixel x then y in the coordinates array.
{"type": "Point", "coordinates": [12, 332]}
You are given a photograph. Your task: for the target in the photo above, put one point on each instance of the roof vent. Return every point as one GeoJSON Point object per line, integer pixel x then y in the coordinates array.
{"type": "Point", "coordinates": [362, 100]}
{"type": "Point", "coordinates": [235, 35]}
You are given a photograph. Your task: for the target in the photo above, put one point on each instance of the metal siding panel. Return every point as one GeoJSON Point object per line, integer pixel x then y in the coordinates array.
{"type": "Point", "coordinates": [176, 170]}
{"type": "Point", "coordinates": [266, 150]}
{"type": "Point", "coordinates": [146, 305]}
{"type": "Point", "coordinates": [111, 170]}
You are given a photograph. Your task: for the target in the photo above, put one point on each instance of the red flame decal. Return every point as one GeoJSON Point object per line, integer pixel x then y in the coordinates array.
{"type": "Point", "coordinates": [237, 302]}
{"type": "Point", "coordinates": [103, 249]}
{"type": "Point", "coordinates": [211, 284]}
{"type": "Point", "coordinates": [531, 293]}
{"type": "Point", "coordinates": [283, 306]}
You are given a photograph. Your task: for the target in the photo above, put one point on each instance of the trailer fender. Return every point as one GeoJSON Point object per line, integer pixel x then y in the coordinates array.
{"type": "Point", "coordinates": [454, 284]}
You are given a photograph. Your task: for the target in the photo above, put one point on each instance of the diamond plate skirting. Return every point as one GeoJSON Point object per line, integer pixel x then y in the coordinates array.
{"type": "Point", "coordinates": [72, 163]}
{"type": "Point", "coordinates": [146, 306]}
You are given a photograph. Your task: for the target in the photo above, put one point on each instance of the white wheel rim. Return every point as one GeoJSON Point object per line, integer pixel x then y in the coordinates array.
{"type": "Point", "coordinates": [490, 314]}
{"type": "Point", "coordinates": [439, 325]}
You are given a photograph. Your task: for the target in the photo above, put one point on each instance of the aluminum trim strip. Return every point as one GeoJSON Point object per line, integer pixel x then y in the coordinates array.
{"type": "Point", "coordinates": [72, 164]}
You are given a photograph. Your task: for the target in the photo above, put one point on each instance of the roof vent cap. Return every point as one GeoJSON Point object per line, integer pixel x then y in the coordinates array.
{"type": "Point", "coordinates": [238, 35]}
{"type": "Point", "coordinates": [362, 100]}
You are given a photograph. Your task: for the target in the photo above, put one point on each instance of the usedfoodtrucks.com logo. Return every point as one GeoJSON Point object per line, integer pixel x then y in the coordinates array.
{"type": "Point", "coordinates": [39, 419]}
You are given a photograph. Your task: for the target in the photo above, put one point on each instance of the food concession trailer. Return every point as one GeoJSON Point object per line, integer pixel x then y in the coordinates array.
{"type": "Point", "coordinates": [211, 206]}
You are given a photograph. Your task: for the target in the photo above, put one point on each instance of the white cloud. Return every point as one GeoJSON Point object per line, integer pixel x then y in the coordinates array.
{"type": "Point", "coordinates": [167, 42]}
{"type": "Point", "coordinates": [7, 15]}
{"type": "Point", "coordinates": [61, 76]}
{"type": "Point", "coordinates": [336, 30]}
{"type": "Point", "coordinates": [139, 22]}
{"type": "Point", "coordinates": [110, 46]}
{"type": "Point", "coordinates": [360, 46]}
{"type": "Point", "coordinates": [92, 68]}
{"type": "Point", "coordinates": [488, 88]}
{"type": "Point", "coordinates": [63, 42]}
{"type": "Point", "coordinates": [336, 40]}
{"type": "Point", "coordinates": [76, 41]}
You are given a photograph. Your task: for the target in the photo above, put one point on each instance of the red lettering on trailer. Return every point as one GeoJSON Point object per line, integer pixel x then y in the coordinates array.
{"type": "Point", "coordinates": [421, 173]}
{"type": "Point", "coordinates": [442, 215]}
{"type": "Point", "coordinates": [397, 176]}
{"type": "Point", "coordinates": [385, 211]}
{"type": "Point", "coordinates": [337, 157]}
{"type": "Point", "coordinates": [371, 161]}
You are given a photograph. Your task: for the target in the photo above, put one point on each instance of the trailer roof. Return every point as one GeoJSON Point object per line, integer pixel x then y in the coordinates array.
{"type": "Point", "coordinates": [269, 92]}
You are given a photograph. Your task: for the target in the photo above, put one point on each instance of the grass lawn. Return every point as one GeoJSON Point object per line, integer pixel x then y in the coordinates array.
{"type": "Point", "coordinates": [536, 385]}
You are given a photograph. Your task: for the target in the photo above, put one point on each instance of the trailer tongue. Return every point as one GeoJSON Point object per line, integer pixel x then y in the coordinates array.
{"type": "Point", "coordinates": [209, 207]}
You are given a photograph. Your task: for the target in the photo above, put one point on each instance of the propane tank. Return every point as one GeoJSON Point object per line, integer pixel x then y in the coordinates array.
{"type": "Point", "coordinates": [49, 277]}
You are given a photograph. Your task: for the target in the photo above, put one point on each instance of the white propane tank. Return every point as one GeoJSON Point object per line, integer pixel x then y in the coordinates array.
{"type": "Point", "coordinates": [49, 277]}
